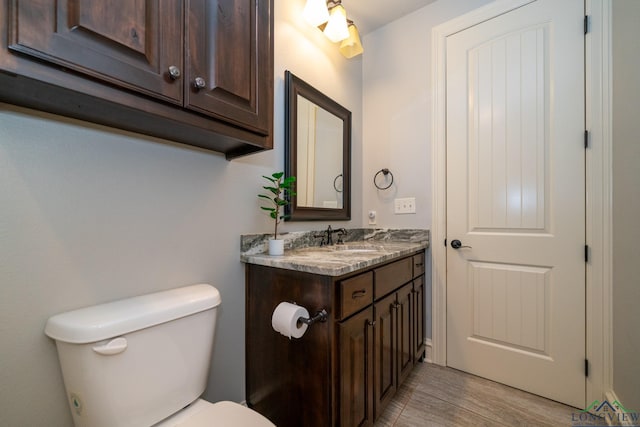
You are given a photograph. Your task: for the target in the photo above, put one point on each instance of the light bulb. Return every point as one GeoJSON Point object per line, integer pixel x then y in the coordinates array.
{"type": "Point", "coordinates": [336, 29]}
{"type": "Point", "coordinates": [351, 46]}
{"type": "Point", "coordinates": [315, 12]}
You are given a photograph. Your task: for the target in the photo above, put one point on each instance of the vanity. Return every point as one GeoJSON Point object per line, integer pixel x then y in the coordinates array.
{"type": "Point", "coordinates": [345, 370]}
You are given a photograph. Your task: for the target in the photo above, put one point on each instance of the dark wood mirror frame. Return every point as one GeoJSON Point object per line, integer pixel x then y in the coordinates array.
{"type": "Point", "coordinates": [295, 86]}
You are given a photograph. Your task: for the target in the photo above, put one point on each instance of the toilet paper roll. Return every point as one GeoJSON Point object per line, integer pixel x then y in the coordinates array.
{"type": "Point", "coordinates": [285, 320]}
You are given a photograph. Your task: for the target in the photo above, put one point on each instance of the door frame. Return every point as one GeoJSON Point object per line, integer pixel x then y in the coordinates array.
{"type": "Point", "coordinates": [598, 287]}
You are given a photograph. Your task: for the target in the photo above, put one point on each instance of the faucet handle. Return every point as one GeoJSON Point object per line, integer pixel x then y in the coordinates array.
{"type": "Point", "coordinates": [341, 232]}
{"type": "Point", "coordinates": [320, 236]}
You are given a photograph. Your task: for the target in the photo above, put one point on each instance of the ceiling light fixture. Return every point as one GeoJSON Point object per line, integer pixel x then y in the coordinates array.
{"type": "Point", "coordinates": [331, 18]}
{"type": "Point", "coordinates": [337, 28]}
{"type": "Point", "coordinates": [351, 46]}
{"type": "Point", "coordinates": [315, 12]}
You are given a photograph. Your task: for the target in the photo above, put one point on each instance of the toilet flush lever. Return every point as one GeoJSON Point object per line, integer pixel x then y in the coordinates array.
{"type": "Point", "coordinates": [115, 346]}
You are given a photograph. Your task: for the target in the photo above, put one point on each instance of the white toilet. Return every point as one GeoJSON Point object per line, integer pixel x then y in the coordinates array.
{"type": "Point", "coordinates": [144, 361]}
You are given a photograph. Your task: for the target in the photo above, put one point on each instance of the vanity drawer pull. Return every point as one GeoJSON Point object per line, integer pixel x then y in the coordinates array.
{"type": "Point", "coordinates": [354, 294]}
{"type": "Point", "coordinates": [358, 294]}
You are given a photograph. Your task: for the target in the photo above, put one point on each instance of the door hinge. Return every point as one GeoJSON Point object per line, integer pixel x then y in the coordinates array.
{"type": "Point", "coordinates": [586, 139]}
{"type": "Point", "coordinates": [586, 253]}
{"type": "Point", "coordinates": [586, 367]}
{"type": "Point", "coordinates": [586, 24]}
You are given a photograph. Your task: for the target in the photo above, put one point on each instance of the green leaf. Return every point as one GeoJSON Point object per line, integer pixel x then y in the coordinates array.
{"type": "Point", "coordinates": [274, 190]}
{"type": "Point", "coordinates": [274, 215]}
{"type": "Point", "coordinates": [277, 175]}
{"type": "Point", "coordinates": [264, 196]}
{"type": "Point", "coordinates": [267, 209]}
{"type": "Point", "coordinates": [269, 178]}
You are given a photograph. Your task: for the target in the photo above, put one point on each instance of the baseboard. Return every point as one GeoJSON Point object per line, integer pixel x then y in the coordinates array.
{"type": "Point", "coordinates": [611, 397]}
{"type": "Point", "coordinates": [428, 351]}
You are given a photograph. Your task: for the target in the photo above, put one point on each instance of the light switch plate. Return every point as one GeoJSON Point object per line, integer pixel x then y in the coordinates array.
{"type": "Point", "coordinates": [405, 206]}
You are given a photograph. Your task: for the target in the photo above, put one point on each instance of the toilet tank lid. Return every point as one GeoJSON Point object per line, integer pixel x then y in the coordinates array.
{"type": "Point", "coordinates": [100, 322]}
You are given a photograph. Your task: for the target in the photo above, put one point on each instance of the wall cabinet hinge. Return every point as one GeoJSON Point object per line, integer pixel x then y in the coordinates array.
{"type": "Point", "coordinates": [445, 242]}
{"type": "Point", "coordinates": [586, 139]}
{"type": "Point", "coordinates": [586, 24]}
{"type": "Point", "coordinates": [586, 367]}
{"type": "Point", "coordinates": [586, 253]}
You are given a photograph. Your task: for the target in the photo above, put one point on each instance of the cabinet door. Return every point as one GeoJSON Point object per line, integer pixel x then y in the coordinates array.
{"type": "Point", "coordinates": [419, 344]}
{"type": "Point", "coordinates": [385, 352]}
{"type": "Point", "coordinates": [230, 65]}
{"type": "Point", "coordinates": [405, 331]}
{"type": "Point", "coordinates": [356, 370]}
{"type": "Point", "coordinates": [129, 43]}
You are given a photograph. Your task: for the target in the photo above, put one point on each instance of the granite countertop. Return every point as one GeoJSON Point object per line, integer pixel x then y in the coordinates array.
{"type": "Point", "coordinates": [362, 250]}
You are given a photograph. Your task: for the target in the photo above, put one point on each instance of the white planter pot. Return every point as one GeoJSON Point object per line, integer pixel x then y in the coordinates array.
{"type": "Point", "coordinates": [276, 247]}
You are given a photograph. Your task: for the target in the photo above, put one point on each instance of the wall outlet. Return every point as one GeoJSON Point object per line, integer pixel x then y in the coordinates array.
{"type": "Point", "coordinates": [372, 217]}
{"type": "Point", "coordinates": [405, 206]}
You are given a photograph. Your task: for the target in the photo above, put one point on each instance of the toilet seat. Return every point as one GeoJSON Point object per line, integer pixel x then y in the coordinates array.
{"type": "Point", "coordinates": [220, 414]}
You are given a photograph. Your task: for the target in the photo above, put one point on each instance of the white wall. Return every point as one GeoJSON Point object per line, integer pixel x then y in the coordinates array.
{"type": "Point", "coordinates": [397, 115]}
{"type": "Point", "coordinates": [626, 203]}
{"type": "Point", "coordinates": [90, 214]}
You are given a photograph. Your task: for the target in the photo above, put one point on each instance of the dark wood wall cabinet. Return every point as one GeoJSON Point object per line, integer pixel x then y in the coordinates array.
{"type": "Point", "coordinates": [342, 372]}
{"type": "Point", "coordinates": [199, 72]}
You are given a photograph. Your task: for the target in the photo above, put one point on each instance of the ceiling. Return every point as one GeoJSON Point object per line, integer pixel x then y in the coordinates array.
{"type": "Point", "coordinates": [369, 15]}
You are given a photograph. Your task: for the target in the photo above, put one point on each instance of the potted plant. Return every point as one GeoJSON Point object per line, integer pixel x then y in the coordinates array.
{"type": "Point", "coordinates": [280, 189]}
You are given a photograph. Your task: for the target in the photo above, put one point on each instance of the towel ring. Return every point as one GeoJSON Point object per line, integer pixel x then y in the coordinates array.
{"type": "Point", "coordinates": [385, 172]}
{"type": "Point", "coordinates": [334, 183]}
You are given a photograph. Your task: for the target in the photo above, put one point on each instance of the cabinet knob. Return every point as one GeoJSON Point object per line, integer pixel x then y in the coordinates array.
{"type": "Point", "coordinates": [199, 83]}
{"type": "Point", "coordinates": [174, 72]}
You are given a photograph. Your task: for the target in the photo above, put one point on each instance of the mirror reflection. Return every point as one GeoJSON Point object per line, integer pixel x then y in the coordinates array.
{"type": "Point", "coordinates": [317, 153]}
{"type": "Point", "coordinates": [319, 139]}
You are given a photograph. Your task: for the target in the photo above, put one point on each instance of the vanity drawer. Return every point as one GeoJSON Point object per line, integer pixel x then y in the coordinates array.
{"type": "Point", "coordinates": [392, 276]}
{"type": "Point", "coordinates": [355, 293]}
{"type": "Point", "coordinates": [418, 265]}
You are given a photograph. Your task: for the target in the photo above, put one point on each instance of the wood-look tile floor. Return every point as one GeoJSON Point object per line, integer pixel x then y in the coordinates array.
{"type": "Point", "coordinates": [437, 396]}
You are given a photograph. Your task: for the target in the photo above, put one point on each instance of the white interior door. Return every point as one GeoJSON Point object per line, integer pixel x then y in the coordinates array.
{"type": "Point", "coordinates": [515, 195]}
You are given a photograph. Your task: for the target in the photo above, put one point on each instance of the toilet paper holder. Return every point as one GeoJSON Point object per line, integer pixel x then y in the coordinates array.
{"type": "Point", "coordinates": [320, 316]}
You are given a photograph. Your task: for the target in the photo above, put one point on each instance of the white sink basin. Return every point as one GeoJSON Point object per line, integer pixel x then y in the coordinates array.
{"type": "Point", "coordinates": [358, 248]}
{"type": "Point", "coordinates": [343, 249]}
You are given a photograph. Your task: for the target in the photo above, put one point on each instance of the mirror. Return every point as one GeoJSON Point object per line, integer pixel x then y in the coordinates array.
{"type": "Point", "coordinates": [317, 153]}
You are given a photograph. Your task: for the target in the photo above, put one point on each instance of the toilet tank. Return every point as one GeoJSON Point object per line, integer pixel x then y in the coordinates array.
{"type": "Point", "coordinates": [136, 361]}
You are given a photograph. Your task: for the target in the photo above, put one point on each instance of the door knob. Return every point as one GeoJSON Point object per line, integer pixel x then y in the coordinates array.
{"type": "Point", "coordinates": [457, 244]}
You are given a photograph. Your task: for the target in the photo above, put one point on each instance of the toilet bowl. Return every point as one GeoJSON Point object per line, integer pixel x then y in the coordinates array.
{"type": "Point", "coordinates": [223, 414]}
{"type": "Point", "coordinates": [144, 361]}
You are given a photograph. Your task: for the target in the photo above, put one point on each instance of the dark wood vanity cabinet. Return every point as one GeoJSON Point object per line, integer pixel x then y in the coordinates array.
{"type": "Point", "coordinates": [355, 373]}
{"type": "Point", "coordinates": [198, 72]}
{"type": "Point", "coordinates": [342, 372]}
{"type": "Point", "coordinates": [396, 319]}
